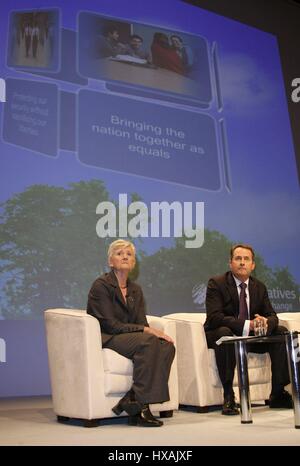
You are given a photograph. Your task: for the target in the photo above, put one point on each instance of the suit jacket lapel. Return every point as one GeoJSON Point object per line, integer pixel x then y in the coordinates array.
{"type": "Point", "coordinates": [231, 285]}
{"type": "Point", "coordinates": [252, 295]}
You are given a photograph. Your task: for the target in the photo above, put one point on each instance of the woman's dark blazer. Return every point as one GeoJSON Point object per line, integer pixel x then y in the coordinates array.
{"type": "Point", "coordinates": [106, 303]}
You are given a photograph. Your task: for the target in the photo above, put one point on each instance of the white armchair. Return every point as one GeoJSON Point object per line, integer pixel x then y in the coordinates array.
{"type": "Point", "coordinates": [198, 377]}
{"type": "Point", "coordinates": [290, 320]}
{"type": "Point", "coordinates": [86, 380]}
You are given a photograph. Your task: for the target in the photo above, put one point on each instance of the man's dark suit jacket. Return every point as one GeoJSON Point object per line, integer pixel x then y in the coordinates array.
{"type": "Point", "coordinates": [106, 303]}
{"type": "Point", "coordinates": [222, 304]}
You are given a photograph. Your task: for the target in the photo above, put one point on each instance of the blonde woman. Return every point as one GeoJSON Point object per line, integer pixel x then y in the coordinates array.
{"type": "Point", "coordinates": [119, 306]}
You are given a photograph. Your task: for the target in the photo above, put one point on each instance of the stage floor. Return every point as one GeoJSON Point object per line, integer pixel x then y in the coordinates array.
{"type": "Point", "coordinates": [31, 421]}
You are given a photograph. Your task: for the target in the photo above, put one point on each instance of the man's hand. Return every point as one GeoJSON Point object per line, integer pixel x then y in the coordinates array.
{"type": "Point", "coordinates": [263, 321]}
{"type": "Point", "coordinates": [158, 334]}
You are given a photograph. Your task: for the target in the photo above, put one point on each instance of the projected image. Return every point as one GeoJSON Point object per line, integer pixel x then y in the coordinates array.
{"type": "Point", "coordinates": [33, 39]}
{"type": "Point", "coordinates": [156, 144]}
{"type": "Point", "coordinates": [162, 123]}
{"type": "Point", "coordinates": [142, 55]}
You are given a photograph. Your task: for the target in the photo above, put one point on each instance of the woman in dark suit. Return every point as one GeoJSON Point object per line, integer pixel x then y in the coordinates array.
{"type": "Point", "coordinates": [119, 306]}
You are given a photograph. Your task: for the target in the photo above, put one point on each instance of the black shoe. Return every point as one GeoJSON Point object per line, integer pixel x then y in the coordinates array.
{"type": "Point", "coordinates": [144, 419]}
{"type": "Point", "coordinates": [230, 407]}
{"type": "Point", "coordinates": [281, 400]}
{"type": "Point", "coordinates": [165, 414]}
{"type": "Point", "coordinates": [127, 404]}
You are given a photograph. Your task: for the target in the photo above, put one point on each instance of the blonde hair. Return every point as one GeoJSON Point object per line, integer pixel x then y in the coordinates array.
{"type": "Point", "coordinates": [119, 244]}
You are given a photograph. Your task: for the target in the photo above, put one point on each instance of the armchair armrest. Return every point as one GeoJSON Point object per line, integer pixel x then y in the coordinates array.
{"type": "Point", "coordinates": [165, 325]}
{"type": "Point", "coordinates": [75, 361]}
{"type": "Point", "coordinates": [192, 357]}
{"type": "Point", "coordinates": [290, 320]}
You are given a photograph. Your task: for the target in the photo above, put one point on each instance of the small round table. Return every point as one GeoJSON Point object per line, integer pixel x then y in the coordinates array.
{"type": "Point", "coordinates": [293, 356]}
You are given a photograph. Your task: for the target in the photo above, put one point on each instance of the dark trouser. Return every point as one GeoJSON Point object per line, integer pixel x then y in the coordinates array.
{"type": "Point", "coordinates": [34, 46]}
{"type": "Point", "coordinates": [225, 357]}
{"type": "Point", "coordinates": [152, 359]}
{"type": "Point", "coordinates": [27, 44]}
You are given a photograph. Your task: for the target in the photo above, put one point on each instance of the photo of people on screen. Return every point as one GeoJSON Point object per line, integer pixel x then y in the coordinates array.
{"type": "Point", "coordinates": [143, 55]}
{"type": "Point", "coordinates": [134, 48]}
{"type": "Point", "coordinates": [130, 49]}
{"type": "Point", "coordinates": [108, 44]}
{"type": "Point", "coordinates": [31, 39]}
{"type": "Point", "coordinates": [171, 53]}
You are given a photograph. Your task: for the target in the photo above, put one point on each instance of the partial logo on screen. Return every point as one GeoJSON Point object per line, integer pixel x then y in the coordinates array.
{"type": "Point", "coordinates": [2, 350]}
{"type": "Point", "coordinates": [160, 220]}
{"type": "Point", "coordinates": [284, 300]}
{"type": "Point", "coordinates": [199, 295]}
{"type": "Point", "coordinates": [2, 90]}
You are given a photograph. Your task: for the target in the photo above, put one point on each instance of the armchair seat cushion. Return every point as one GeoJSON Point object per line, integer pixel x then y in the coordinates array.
{"type": "Point", "coordinates": [115, 363]}
{"type": "Point", "coordinates": [258, 369]}
{"type": "Point", "coordinates": [117, 372]}
{"type": "Point", "coordinates": [117, 384]}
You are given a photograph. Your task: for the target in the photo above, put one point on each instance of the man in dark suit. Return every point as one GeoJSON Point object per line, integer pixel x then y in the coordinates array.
{"type": "Point", "coordinates": [235, 303]}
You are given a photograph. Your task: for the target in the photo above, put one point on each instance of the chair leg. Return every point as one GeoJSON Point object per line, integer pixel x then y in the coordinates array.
{"type": "Point", "coordinates": [90, 422]}
{"type": "Point", "coordinates": [62, 419]}
{"type": "Point", "coordinates": [165, 414]}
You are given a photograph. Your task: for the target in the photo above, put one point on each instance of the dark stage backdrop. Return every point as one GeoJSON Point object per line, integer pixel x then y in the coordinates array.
{"type": "Point", "coordinates": [184, 146]}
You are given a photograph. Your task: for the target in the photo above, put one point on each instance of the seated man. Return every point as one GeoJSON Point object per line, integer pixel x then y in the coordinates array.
{"type": "Point", "coordinates": [134, 48]}
{"type": "Point", "coordinates": [108, 44]}
{"type": "Point", "coordinates": [234, 303]}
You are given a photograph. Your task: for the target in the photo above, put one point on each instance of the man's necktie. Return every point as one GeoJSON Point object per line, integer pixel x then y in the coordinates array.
{"type": "Point", "coordinates": [243, 308]}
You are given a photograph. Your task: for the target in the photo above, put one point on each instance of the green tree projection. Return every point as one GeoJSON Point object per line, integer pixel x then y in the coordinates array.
{"type": "Point", "coordinates": [50, 253]}
{"type": "Point", "coordinates": [174, 279]}
{"type": "Point", "coordinates": [169, 276]}
{"type": "Point", "coordinates": [283, 279]}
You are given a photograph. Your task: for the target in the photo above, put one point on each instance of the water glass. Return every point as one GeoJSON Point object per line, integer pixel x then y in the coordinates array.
{"type": "Point", "coordinates": [259, 328]}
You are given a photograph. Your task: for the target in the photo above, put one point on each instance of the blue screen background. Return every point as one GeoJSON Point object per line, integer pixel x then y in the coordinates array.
{"type": "Point", "coordinates": [247, 177]}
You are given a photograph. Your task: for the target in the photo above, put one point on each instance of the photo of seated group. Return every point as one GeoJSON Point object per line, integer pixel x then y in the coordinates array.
{"type": "Point", "coordinates": [144, 56]}
{"type": "Point", "coordinates": [33, 39]}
